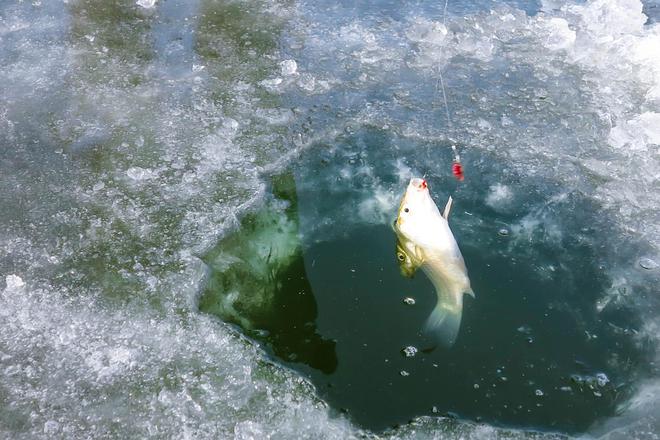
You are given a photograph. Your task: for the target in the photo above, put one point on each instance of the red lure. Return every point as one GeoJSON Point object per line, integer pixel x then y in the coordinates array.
{"type": "Point", "coordinates": [457, 171]}
{"type": "Point", "coordinates": [456, 167]}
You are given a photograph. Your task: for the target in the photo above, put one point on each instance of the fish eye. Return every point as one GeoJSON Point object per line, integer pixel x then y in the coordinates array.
{"type": "Point", "coordinates": [400, 256]}
{"type": "Point", "coordinates": [406, 210]}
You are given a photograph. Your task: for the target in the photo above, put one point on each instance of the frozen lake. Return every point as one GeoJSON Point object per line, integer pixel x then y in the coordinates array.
{"type": "Point", "coordinates": [196, 199]}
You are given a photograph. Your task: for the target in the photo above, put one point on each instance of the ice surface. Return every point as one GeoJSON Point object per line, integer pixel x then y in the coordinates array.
{"type": "Point", "coordinates": [119, 167]}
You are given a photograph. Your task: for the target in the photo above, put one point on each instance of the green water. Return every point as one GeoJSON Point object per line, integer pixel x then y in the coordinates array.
{"type": "Point", "coordinates": [532, 351]}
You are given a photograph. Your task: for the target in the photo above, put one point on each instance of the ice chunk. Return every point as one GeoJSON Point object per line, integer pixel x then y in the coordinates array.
{"type": "Point", "coordinates": [229, 128]}
{"type": "Point", "coordinates": [14, 282]}
{"type": "Point", "coordinates": [311, 84]}
{"type": "Point", "coordinates": [649, 123]}
{"type": "Point", "coordinates": [428, 39]}
{"type": "Point", "coordinates": [476, 44]}
{"type": "Point", "coordinates": [146, 4]}
{"type": "Point", "coordinates": [248, 430]}
{"type": "Point", "coordinates": [271, 83]}
{"type": "Point", "coordinates": [138, 173]}
{"type": "Point", "coordinates": [506, 121]}
{"type": "Point", "coordinates": [638, 132]}
{"type": "Point", "coordinates": [484, 124]}
{"type": "Point", "coordinates": [289, 67]}
{"type": "Point", "coordinates": [427, 31]}
{"type": "Point", "coordinates": [275, 116]}
{"type": "Point", "coordinates": [648, 263]}
{"type": "Point", "coordinates": [307, 82]}
{"type": "Point", "coordinates": [609, 18]}
{"type": "Point", "coordinates": [51, 427]}
{"type": "Point", "coordinates": [557, 34]}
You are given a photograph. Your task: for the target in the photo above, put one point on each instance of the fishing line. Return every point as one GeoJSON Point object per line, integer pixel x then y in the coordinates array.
{"type": "Point", "coordinates": [444, 95]}
{"type": "Point", "coordinates": [442, 82]}
{"type": "Point", "coordinates": [456, 167]}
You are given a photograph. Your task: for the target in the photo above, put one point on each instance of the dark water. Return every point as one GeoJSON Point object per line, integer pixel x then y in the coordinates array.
{"type": "Point", "coordinates": [535, 349]}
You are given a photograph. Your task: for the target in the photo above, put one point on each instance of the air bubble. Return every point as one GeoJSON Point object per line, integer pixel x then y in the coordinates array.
{"type": "Point", "coordinates": [404, 373]}
{"type": "Point", "coordinates": [408, 300]}
{"type": "Point", "coordinates": [409, 351]}
{"type": "Point", "coordinates": [524, 329]}
{"type": "Point", "coordinates": [538, 393]}
{"type": "Point", "coordinates": [602, 379]}
{"type": "Point", "coordinates": [503, 232]}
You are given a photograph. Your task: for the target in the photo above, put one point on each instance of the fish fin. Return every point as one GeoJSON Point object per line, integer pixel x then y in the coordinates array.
{"type": "Point", "coordinates": [408, 272]}
{"type": "Point", "coordinates": [445, 213]}
{"type": "Point", "coordinates": [470, 292]}
{"type": "Point", "coordinates": [445, 320]}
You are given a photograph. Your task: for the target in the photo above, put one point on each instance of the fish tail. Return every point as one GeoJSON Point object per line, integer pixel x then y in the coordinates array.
{"type": "Point", "coordinates": [445, 320]}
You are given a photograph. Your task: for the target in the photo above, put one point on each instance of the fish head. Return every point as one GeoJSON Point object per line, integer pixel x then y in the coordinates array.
{"type": "Point", "coordinates": [418, 213]}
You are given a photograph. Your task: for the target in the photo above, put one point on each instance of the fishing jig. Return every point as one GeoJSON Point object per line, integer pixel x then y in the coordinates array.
{"type": "Point", "coordinates": [457, 167]}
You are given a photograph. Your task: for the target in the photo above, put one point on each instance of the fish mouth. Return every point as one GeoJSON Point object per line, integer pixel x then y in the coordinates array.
{"type": "Point", "coordinates": [419, 183]}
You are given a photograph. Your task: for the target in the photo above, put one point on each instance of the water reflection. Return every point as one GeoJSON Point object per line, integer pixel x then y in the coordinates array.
{"type": "Point", "coordinates": [258, 281]}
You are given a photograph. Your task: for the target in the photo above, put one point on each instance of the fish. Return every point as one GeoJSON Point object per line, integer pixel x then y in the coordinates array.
{"type": "Point", "coordinates": [424, 240]}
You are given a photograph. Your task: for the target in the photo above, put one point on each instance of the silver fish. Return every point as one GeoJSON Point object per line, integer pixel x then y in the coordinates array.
{"type": "Point", "coordinates": [425, 241]}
